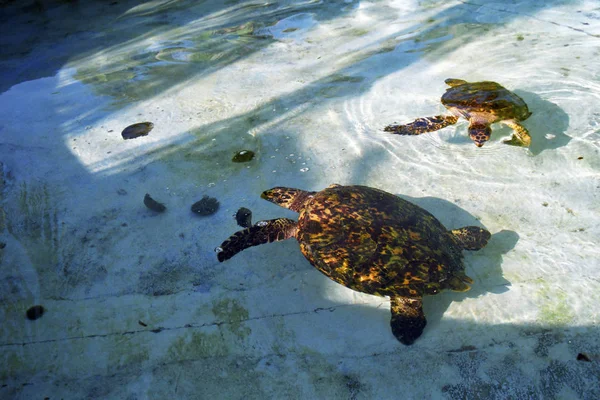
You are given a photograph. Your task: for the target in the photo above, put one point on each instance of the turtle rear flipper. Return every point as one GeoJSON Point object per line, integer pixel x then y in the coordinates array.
{"type": "Point", "coordinates": [471, 237]}
{"type": "Point", "coordinates": [263, 232]}
{"type": "Point", "coordinates": [422, 125]}
{"type": "Point", "coordinates": [408, 320]}
{"type": "Point", "coordinates": [520, 136]}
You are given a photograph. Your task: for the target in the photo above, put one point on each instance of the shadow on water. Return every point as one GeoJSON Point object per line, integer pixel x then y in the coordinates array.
{"type": "Point", "coordinates": [192, 39]}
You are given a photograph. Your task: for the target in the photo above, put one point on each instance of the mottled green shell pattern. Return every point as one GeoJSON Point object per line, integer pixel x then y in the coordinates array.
{"type": "Point", "coordinates": [377, 243]}
{"type": "Point", "coordinates": [485, 97]}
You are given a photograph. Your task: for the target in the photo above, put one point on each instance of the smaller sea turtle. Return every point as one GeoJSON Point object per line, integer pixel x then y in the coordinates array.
{"type": "Point", "coordinates": [482, 104]}
{"type": "Point", "coordinates": [370, 241]}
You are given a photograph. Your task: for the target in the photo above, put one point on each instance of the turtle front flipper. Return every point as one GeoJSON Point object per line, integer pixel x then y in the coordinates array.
{"type": "Point", "coordinates": [408, 320]}
{"type": "Point", "coordinates": [422, 125]}
{"type": "Point", "coordinates": [521, 135]}
{"type": "Point", "coordinates": [262, 232]}
{"type": "Point", "coordinates": [471, 237]}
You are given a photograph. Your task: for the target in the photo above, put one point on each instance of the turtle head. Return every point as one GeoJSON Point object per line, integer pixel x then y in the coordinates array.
{"type": "Point", "coordinates": [294, 199]}
{"type": "Point", "coordinates": [480, 133]}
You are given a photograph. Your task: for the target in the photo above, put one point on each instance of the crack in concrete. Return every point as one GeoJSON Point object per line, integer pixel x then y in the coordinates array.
{"type": "Point", "coordinates": [530, 16]}
{"type": "Point", "coordinates": [175, 328]}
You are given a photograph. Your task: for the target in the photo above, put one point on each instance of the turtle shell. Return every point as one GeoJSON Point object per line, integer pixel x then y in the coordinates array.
{"type": "Point", "coordinates": [490, 98]}
{"type": "Point", "coordinates": [374, 242]}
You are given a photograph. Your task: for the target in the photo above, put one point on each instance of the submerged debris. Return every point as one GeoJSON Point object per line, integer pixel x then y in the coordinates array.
{"type": "Point", "coordinates": [583, 357]}
{"type": "Point", "coordinates": [35, 312]}
{"type": "Point", "coordinates": [153, 204]}
{"type": "Point", "coordinates": [206, 206]}
{"type": "Point", "coordinates": [243, 156]}
{"type": "Point", "coordinates": [243, 217]}
{"type": "Point", "coordinates": [137, 130]}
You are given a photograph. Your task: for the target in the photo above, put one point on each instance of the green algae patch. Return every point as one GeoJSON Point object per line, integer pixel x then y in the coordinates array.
{"type": "Point", "coordinates": [34, 222]}
{"type": "Point", "coordinates": [557, 311]}
{"type": "Point", "coordinates": [357, 32]}
{"type": "Point", "coordinates": [555, 308]}
{"type": "Point", "coordinates": [2, 188]}
{"type": "Point", "coordinates": [207, 158]}
{"type": "Point", "coordinates": [337, 85]}
{"type": "Point", "coordinates": [129, 352]}
{"type": "Point", "coordinates": [13, 365]}
{"type": "Point", "coordinates": [134, 72]}
{"type": "Point", "coordinates": [328, 380]}
{"type": "Point", "coordinates": [198, 345]}
{"type": "Point", "coordinates": [341, 78]}
{"type": "Point", "coordinates": [230, 312]}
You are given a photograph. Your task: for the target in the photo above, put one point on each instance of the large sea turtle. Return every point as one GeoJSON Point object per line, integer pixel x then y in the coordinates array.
{"type": "Point", "coordinates": [370, 241]}
{"type": "Point", "coordinates": [482, 104]}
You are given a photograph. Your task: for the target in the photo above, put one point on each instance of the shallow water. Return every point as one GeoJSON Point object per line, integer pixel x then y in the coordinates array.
{"type": "Point", "coordinates": [137, 305]}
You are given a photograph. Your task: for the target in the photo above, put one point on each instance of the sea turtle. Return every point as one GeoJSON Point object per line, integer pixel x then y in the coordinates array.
{"type": "Point", "coordinates": [370, 241]}
{"type": "Point", "coordinates": [482, 104]}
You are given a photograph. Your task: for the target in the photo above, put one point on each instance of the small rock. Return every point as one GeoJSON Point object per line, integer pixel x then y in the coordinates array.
{"type": "Point", "coordinates": [243, 217]}
{"type": "Point", "coordinates": [121, 192]}
{"type": "Point", "coordinates": [35, 312]}
{"type": "Point", "coordinates": [583, 357]}
{"type": "Point", "coordinates": [2, 245]}
{"type": "Point", "coordinates": [243, 156]}
{"type": "Point", "coordinates": [137, 130]}
{"type": "Point", "coordinates": [153, 204]}
{"type": "Point", "coordinates": [206, 206]}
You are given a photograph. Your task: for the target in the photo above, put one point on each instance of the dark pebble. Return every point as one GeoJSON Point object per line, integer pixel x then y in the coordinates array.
{"type": "Point", "coordinates": [153, 204]}
{"type": "Point", "coordinates": [583, 357]}
{"type": "Point", "coordinates": [35, 312]}
{"type": "Point", "coordinates": [137, 130]}
{"type": "Point", "coordinates": [243, 156]}
{"type": "Point", "coordinates": [2, 245]}
{"type": "Point", "coordinates": [243, 217]}
{"type": "Point", "coordinates": [206, 206]}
